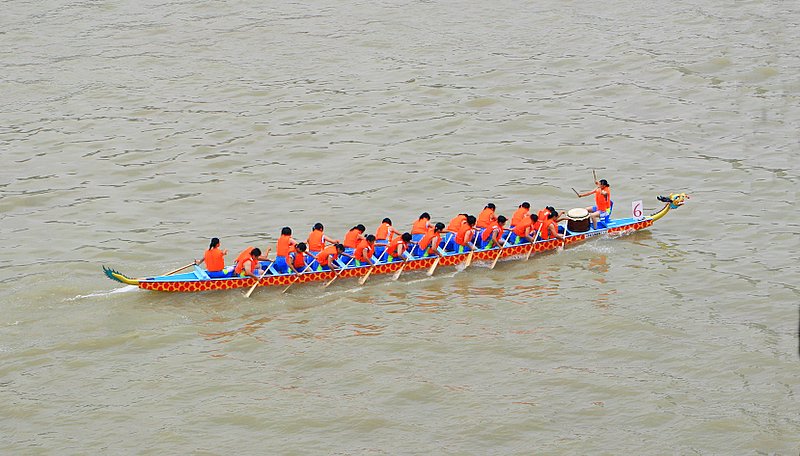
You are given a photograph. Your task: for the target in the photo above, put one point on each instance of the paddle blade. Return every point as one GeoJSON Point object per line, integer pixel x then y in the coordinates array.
{"type": "Point", "coordinates": [363, 280]}
{"type": "Point", "coordinates": [469, 259]}
{"type": "Point", "coordinates": [433, 266]}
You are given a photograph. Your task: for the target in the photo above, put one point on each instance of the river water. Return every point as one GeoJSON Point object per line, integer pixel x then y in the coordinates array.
{"type": "Point", "coordinates": [132, 132]}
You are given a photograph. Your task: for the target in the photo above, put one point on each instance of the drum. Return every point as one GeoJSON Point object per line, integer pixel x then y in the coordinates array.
{"type": "Point", "coordinates": [578, 220]}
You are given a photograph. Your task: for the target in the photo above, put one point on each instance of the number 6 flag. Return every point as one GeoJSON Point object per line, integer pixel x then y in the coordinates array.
{"type": "Point", "coordinates": [636, 210]}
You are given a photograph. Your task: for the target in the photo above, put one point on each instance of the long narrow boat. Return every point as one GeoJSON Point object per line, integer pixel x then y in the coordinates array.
{"type": "Point", "coordinates": [194, 281]}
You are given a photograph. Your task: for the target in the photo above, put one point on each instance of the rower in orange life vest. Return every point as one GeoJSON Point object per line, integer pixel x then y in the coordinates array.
{"type": "Point", "coordinates": [493, 235]}
{"type": "Point", "coordinates": [326, 259]}
{"type": "Point", "coordinates": [398, 248]}
{"type": "Point", "coordinates": [297, 258]}
{"type": "Point", "coordinates": [452, 229]}
{"type": "Point", "coordinates": [429, 244]}
{"type": "Point", "coordinates": [465, 235]}
{"type": "Point", "coordinates": [420, 227]}
{"type": "Point", "coordinates": [317, 239]}
{"type": "Point", "coordinates": [525, 230]}
{"type": "Point", "coordinates": [364, 251]}
{"type": "Point", "coordinates": [352, 238]}
{"type": "Point", "coordinates": [383, 235]}
{"type": "Point", "coordinates": [550, 225]}
{"type": "Point", "coordinates": [286, 245]}
{"type": "Point", "coordinates": [214, 259]}
{"type": "Point", "coordinates": [520, 214]}
{"type": "Point", "coordinates": [247, 263]}
{"type": "Point", "coordinates": [602, 201]}
{"type": "Point", "coordinates": [486, 217]}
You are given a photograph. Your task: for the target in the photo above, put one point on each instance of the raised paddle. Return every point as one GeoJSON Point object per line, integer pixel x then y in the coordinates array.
{"type": "Point", "coordinates": [257, 282]}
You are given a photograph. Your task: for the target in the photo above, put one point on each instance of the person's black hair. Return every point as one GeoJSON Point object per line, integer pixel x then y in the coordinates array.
{"type": "Point", "coordinates": [214, 243]}
{"type": "Point", "coordinates": [534, 218]}
{"type": "Point", "coordinates": [318, 226]}
{"type": "Point", "coordinates": [360, 227]}
{"type": "Point", "coordinates": [501, 219]}
{"type": "Point", "coordinates": [286, 231]}
{"type": "Point", "coordinates": [301, 246]}
{"type": "Point", "coordinates": [525, 204]}
{"type": "Point", "coordinates": [370, 238]}
{"type": "Point", "coordinates": [387, 220]}
{"type": "Point", "coordinates": [439, 226]}
{"type": "Point", "coordinates": [491, 206]}
{"type": "Point", "coordinates": [340, 247]}
{"type": "Point", "coordinates": [471, 219]}
{"type": "Point", "coordinates": [406, 237]}
{"type": "Point", "coordinates": [256, 252]}
{"type": "Point", "coordinates": [604, 183]}
{"type": "Point", "coordinates": [425, 215]}
{"type": "Point", "coordinates": [553, 213]}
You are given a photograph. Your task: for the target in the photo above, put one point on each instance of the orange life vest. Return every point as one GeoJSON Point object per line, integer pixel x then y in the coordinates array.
{"type": "Point", "coordinates": [382, 234]}
{"type": "Point", "coordinates": [521, 229]}
{"type": "Point", "coordinates": [485, 218]}
{"type": "Point", "coordinates": [603, 202]}
{"type": "Point", "coordinates": [299, 261]}
{"type": "Point", "coordinates": [464, 234]}
{"type": "Point", "coordinates": [243, 258]}
{"type": "Point", "coordinates": [322, 257]}
{"type": "Point", "coordinates": [518, 216]}
{"type": "Point", "coordinates": [456, 222]}
{"type": "Point", "coordinates": [395, 245]}
{"type": "Point", "coordinates": [285, 245]}
{"type": "Point", "coordinates": [487, 233]}
{"type": "Point", "coordinates": [420, 226]}
{"type": "Point", "coordinates": [315, 242]}
{"type": "Point", "coordinates": [430, 238]}
{"type": "Point", "coordinates": [215, 260]}
{"type": "Point", "coordinates": [351, 238]}
{"type": "Point", "coordinates": [545, 233]}
{"type": "Point", "coordinates": [359, 253]}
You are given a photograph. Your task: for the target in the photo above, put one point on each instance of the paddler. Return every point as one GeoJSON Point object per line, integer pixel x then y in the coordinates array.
{"type": "Point", "coordinates": [520, 214]}
{"type": "Point", "coordinates": [493, 235]}
{"type": "Point", "coordinates": [526, 229]}
{"type": "Point", "coordinates": [452, 229]}
{"type": "Point", "coordinates": [486, 217]}
{"type": "Point", "coordinates": [602, 202]}
{"type": "Point", "coordinates": [398, 248]}
{"type": "Point", "coordinates": [421, 226]}
{"type": "Point", "coordinates": [247, 262]}
{"type": "Point", "coordinates": [297, 258]}
{"type": "Point", "coordinates": [465, 235]}
{"type": "Point", "coordinates": [214, 259]}
{"type": "Point", "coordinates": [364, 251]}
{"type": "Point", "coordinates": [286, 245]}
{"type": "Point", "coordinates": [383, 235]}
{"type": "Point", "coordinates": [550, 225]}
{"type": "Point", "coordinates": [429, 244]}
{"type": "Point", "coordinates": [326, 259]}
{"type": "Point", "coordinates": [353, 237]}
{"type": "Point", "coordinates": [317, 239]}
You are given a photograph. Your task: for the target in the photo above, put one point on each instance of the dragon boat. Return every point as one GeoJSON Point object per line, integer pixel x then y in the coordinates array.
{"type": "Point", "coordinates": [198, 280]}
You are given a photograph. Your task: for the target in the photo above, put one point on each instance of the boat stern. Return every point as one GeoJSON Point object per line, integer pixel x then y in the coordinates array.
{"type": "Point", "coordinates": [119, 277]}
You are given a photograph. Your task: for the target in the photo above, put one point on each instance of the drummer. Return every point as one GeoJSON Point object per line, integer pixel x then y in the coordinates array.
{"type": "Point", "coordinates": [602, 202]}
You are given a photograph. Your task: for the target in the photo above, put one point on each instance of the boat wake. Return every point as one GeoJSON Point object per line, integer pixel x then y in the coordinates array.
{"type": "Point", "coordinates": [125, 289]}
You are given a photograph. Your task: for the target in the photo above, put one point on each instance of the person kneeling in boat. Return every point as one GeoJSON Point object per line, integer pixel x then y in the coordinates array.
{"type": "Point", "coordinates": [429, 244]}
{"type": "Point", "coordinates": [214, 259]}
{"type": "Point", "coordinates": [464, 237]}
{"type": "Point", "coordinates": [286, 244]}
{"type": "Point", "coordinates": [493, 235]}
{"type": "Point", "coordinates": [247, 263]}
{"type": "Point", "coordinates": [398, 248]}
{"type": "Point", "coordinates": [525, 230]}
{"type": "Point", "coordinates": [327, 259]}
{"type": "Point", "coordinates": [364, 251]}
{"type": "Point", "coordinates": [297, 258]}
{"type": "Point", "coordinates": [550, 228]}
{"type": "Point", "coordinates": [602, 202]}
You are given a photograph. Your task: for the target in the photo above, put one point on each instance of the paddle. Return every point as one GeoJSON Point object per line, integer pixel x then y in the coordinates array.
{"type": "Point", "coordinates": [400, 271]}
{"type": "Point", "coordinates": [297, 276]}
{"type": "Point", "coordinates": [530, 250]}
{"type": "Point", "coordinates": [433, 266]}
{"type": "Point", "coordinates": [334, 278]}
{"type": "Point", "coordinates": [363, 280]}
{"type": "Point", "coordinates": [180, 269]}
{"type": "Point", "coordinates": [256, 284]}
{"type": "Point", "coordinates": [499, 252]}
